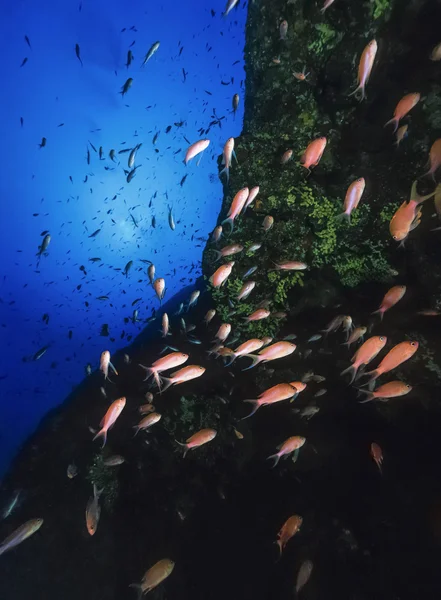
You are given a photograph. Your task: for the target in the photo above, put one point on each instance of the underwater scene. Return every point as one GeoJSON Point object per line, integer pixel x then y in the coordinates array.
{"type": "Point", "coordinates": [220, 300]}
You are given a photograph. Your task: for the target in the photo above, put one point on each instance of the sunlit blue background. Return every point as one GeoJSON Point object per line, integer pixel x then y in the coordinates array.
{"type": "Point", "coordinates": [53, 88]}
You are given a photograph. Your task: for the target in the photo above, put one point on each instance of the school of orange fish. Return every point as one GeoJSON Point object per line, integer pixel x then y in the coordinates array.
{"type": "Point", "coordinates": [405, 219]}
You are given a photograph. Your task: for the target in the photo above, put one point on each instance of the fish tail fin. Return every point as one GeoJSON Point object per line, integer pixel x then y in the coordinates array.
{"type": "Point", "coordinates": [276, 458]}
{"type": "Point", "coordinates": [369, 396]}
{"type": "Point", "coordinates": [358, 93]}
{"type": "Point", "coordinates": [226, 170]}
{"type": "Point", "coordinates": [373, 375]}
{"type": "Point", "coordinates": [232, 358]}
{"type": "Point", "coordinates": [343, 216]}
{"type": "Point", "coordinates": [218, 255]}
{"type": "Point", "coordinates": [394, 121]}
{"type": "Point", "coordinates": [380, 312]}
{"type": "Point", "coordinates": [352, 371]}
{"type": "Point", "coordinates": [168, 383]}
{"type": "Point", "coordinates": [101, 433]}
{"type": "Point", "coordinates": [230, 222]}
{"type": "Point", "coordinates": [148, 370]}
{"type": "Point", "coordinates": [183, 445]}
{"type": "Point", "coordinates": [255, 408]}
{"type": "Point", "coordinates": [256, 360]}
{"type": "Point", "coordinates": [113, 368]}
{"type": "Point", "coordinates": [138, 589]}
{"type": "Point", "coordinates": [136, 428]}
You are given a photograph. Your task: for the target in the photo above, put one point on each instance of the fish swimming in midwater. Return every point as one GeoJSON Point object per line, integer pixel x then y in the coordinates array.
{"type": "Point", "coordinates": [153, 48]}
{"type": "Point", "coordinates": [20, 535]}
{"type": "Point", "coordinates": [365, 68]}
{"type": "Point", "coordinates": [198, 439]}
{"type": "Point", "coordinates": [109, 419]}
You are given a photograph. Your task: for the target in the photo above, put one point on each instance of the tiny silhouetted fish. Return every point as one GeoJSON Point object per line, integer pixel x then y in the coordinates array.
{"type": "Point", "coordinates": [77, 52]}
{"type": "Point", "coordinates": [27, 41]}
{"type": "Point", "coordinates": [25, 60]}
{"type": "Point", "coordinates": [95, 233]}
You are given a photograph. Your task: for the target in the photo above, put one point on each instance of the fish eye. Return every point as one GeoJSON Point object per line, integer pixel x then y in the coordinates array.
{"type": "Point", "coordinates": [394, 237]}
{"type": "Point", "coordinates": [381, 338]}
{"type": "Point", "coordinates": [413, 343]}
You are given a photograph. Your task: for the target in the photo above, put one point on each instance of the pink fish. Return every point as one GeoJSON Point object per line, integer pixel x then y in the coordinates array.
{"type": "Point", "coordinates": [365, 67]}
{"type": "Point", "coordinates": [353, 196]}
{"type": "Point", "coordinates": [196, 149]}
{"type": "Point", "coordinates": [236, 206]}
{"type": "Point", "coordinates": [109, 418]}
{"type": "Point", "coordinates": [171, 361]}
{"type": "Point", "coordinates": [228, 153]}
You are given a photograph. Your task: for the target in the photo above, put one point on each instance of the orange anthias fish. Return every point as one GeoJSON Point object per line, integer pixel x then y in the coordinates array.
{"type": "Point", "coordinates": [365, 354]}
{"type": "Point", "coordinates": [245, 348]}
{"type": "Point", "coordinates": [258, 315]}
{"type": "Point", "coordinates": [236, 207]}
{"type": "Point", "coordinates": [220, 276]}
{"type": "Point", "coordinates": [364, 68]}
{"type": "Point", "coordinates": [165, 325]}
{"type": "Point", "coordinates": [434, 158]}
{"type": "Point", "coordinates": [286, 156]}
{"type": "Point", "coordinates": [171, 361]}
{"type": "Point", "coordinates": [145, 409]}
{"type": "Point", "coordinates": [292, 444]}
{"type": "Point", "coordinates": [377, 455]}
{"type": "Point", "coordinates": [20, 535]}
{"type": "Point", "coordinates": [290, 265]}
{"type": "Point", "coordinates": [394, 358]}
{"type": "Point", "coordinates": [391, 297]}
{"type": "Point", "coordinates": [401, 134]}
{"type": "Point", "coordinates": [217, 233]}
{"type": "Point", "coordinates": [273, 352]}
{"type": "Point", "coordinates": [353, 196]}
{"type": "Point", "coordinates": [93, 511]}
{"type": "Point", "coordinates": [228, 251]}
{"type": "Point", "coordinates": [198, 439]}
{"type": "Point", "coordinates": [277, 393]}
{"type": "Point", "coordinates": [154, 576]}
{"type": "Point", "coordinates": [253, 193]}
{"type": "Point", "coordinates": [183, 375]}
{"type": "Point", "coordinates": [268, 222]}
{"type": "Point", "coordinates": [223, 332]}
{"type": "Point", "coordinates": [147, 422]}
{"type": "Point", "coordinates": [313, 153]}
{"type": "Point", "coordinates": [108, 421]}
{"type": "Point", "coordinates": [408, 216]}
{"type": "Point", "coordinates": [227, 156]}
{"type": "Point", "coordinates": [196, 149]}
{"type": "Point", "coordinates": [403, 107]}
{"type": "Point", "coordinates": [393, 389]}
{"type": "Point", "coordinates": [289, 529]}
{"type": "Point", "coordinates": [159, 287]}
{"type": "Point", "coordinates": [105, 364]}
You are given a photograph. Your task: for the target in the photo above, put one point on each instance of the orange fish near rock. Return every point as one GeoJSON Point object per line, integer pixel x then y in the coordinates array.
{"type": "Point", "coordinates": [171, 361]}
{"type": "Point", "coordinates": [403, 107]}
{"type": "Point", "coordinates": [353, 196]}
{"type": "Point", "coordinates": [394, 358]}
{"type": "Point", "coordinates": [154, 576]}
{"type": "Point", "coordinates": [292, 444]}
{"type": "Point", "coordinates": [183, 375]}
{"type": "Point", "coordinates": [108, 421]}
{"type": "Point", "coordinates": [289, 529]}
{"type": "Point", "coordinates": [365, 354]}
{"type": "Point", "coordinates": [391, 297]}
{"type": "Point", "coordinates": [228, 153]}
{"type": "Point", "coordinates": [393, 389]}
{"type": "Point", "coordinates": [198, 439]}
{"type": "Point", "coordinates": [313, 153]}
{"type": "Point", "coordinates": [258, 315]}
{"type": "Point", "coordinates": [105, 364]}
{"type": "Point", "coordinates": [377, 455]}
{"type": "Point", "coordinates": [253, 193]}
{"type": "Point", "coordinates": [236, 207]}
{"type": "Point", "coordinates": [408, 216]}
{"type": "Point", "coordinates": [277, 393]}
{"type": "Point", "coordinates": [220, 276]}
{"type": "Point", "coordinates": [245, 349]}
{"type": "Point", "coordinates": [434, 158]}
{"type": "Point", "coordinates": [364, 69]}
{"type": "Point", "coordinates": [273, 352]}
{"type": "Point", "coordinates": [159, 287]}
{"type": "Point", "coordinates": [93, 511]}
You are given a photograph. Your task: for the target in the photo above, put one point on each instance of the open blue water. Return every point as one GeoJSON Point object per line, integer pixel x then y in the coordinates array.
{"type": "Point", "coordinates": [45, 189]}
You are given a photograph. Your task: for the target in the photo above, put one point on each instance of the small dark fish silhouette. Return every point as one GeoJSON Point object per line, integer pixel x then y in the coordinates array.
{"type": "Point", "coordinates": [25, 60]}
{"type": "Point", "coordinates": [77, 52]}
{"type": "Point", "coordinates": [43, 142]}
{"type": "Point", "coordinates": [27, 41]}
{"type": "Point", "coordinates": [95, 233]}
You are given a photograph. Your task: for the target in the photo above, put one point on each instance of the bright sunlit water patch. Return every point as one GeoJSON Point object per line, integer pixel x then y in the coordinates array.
{"type": "Point", "coordinates": [78, 109]}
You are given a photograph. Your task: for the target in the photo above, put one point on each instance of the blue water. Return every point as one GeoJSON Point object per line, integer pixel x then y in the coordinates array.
{"type": "Point", "coordinates": [53, 88]}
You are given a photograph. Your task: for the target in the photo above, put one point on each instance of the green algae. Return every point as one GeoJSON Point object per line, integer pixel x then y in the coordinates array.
{"type": "Point", "coordinates": [105, 479]}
